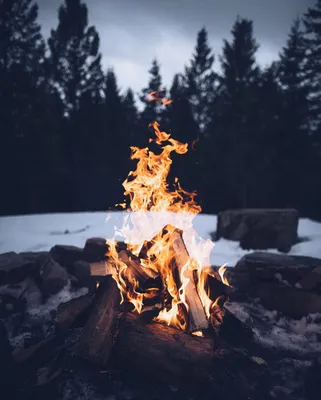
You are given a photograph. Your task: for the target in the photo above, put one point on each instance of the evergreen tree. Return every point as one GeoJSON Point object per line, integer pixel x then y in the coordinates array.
{"type": "Point", "coordinates": [312, 23]}
{"type": "Point", "coordinates": [75, 60]}
{"type": "Point", "coordinates": [178, 115]}
{"type": "Point", "coordinates": [152, 108]}
{"type": "Point", "coordinates": [233, 131]}
{"type": "Point", "coordinates": [179, 122]}
{"type": "Point", "coordinates": [200, 80]}
{"type": "Point", "coordinates": [21, 41]}
{"type": "Point", "coordinates": [27, 129]}
{"type": "Point", "coordinates": [130, 124]}
{"type": "Point", "coordinates": [294, 147]}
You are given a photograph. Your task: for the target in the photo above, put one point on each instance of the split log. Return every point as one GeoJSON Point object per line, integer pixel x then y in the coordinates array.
{"type": "Point", "coordinates": [141, 274]}
{"type": "Point", "coordinates": [97, 338]}
{"type": "Point", "coordinates": [101, 268]}
{"type": "Point", "coordinates": [70, 311]}
{"type": "Point", "coordinates": [227, 326]}
{"type": "Point", "coordinates": [179, 258]}
{"type": "Point", "coordinates": [197, 320]}
{"type": "Point", "coordinates": [174, 357]}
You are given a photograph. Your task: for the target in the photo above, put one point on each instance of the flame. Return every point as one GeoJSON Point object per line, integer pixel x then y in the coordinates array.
{"type": "Point", "coordinates": [149, 200]}
{"type": "Point", "coordinates": [155, 96]}
{"type": "Point", "coordinates": [221, 272]}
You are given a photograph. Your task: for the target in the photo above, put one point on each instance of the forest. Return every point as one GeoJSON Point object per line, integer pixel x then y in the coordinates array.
{"type": "Point", "coordinates": [66, 127]}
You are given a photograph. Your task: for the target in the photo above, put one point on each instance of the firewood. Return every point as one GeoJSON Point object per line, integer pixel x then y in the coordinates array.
{"type": "Point", "coordinates": [215, 287]}
{"type": "Point", "coordinates": [141, 273]}
{"type": "Point", "coordinates": [166, 354]}
{"type": "Point", "coordinates": [69, 312]}
{"type": "Point", "coordinates": [197, 320]}
{"type": "Point", "coordinates": [227, 326]}
{"type": "Point", "coordinates": [97, 337]}
{"type": "Point", "coordinates": [101, 268]}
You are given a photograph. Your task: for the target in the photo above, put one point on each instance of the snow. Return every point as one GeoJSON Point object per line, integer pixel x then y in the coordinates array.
{"type": "Point", "coordinates": [41, 232]}
{"type": "Point", "coordinates": [279, 332]}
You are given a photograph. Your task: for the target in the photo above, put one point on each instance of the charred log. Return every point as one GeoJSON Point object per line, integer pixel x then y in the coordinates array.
{"type": "Point", "coordinates": [227, 326]}
{"type": "Point", "coordinates": [98, 335]}
{"type": "Point", "coordinates": [172, 356]}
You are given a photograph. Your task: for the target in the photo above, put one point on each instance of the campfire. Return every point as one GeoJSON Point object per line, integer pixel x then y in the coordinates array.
{"type": "Point", "coordinates": [162, 274]}
{"type": "Point", "coordinates": [160, 285]}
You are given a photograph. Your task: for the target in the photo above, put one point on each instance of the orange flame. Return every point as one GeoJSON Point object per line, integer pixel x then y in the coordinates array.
{"type": "Point", "coordinates": [155, 96]}
{"type": "Point", "coordinates": [150, 199]}
{"type": "Point", "coordinates": [221, 272]}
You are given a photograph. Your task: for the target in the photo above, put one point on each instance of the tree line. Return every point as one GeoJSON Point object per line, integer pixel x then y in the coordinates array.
{"type": "Point", "coordinates": [66, 128]}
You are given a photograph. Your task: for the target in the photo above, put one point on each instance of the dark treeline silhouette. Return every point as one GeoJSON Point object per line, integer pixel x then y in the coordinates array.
{"type": "Point", "coordinates": [66, 128]}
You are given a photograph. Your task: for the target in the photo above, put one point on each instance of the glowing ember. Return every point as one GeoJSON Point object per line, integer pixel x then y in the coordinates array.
{"type": "Point", "coordinates": [150, 199]}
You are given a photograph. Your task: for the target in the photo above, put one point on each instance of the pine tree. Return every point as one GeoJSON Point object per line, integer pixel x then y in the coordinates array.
{"type": "Point", "coordinates": [233, 131]}
{"type": "Point", "coordinates": [75, 60]}
{"type": "Point", "coordinates": [294, 142]}
{"type": "Point", "coordinates": [200, 80]}
{"type": "Point", "coordinates": [130, 124]}
{"type": "Point", "coordinates": [26, 109]}
{"type": "Point", "coordinates": [21, 41]}
{"type": "Point", "coordinates": [312, 23]}
{"type": "Point", "coordinates": [180, 123]}
{"type": "Point", "coordinates": [152, 109]}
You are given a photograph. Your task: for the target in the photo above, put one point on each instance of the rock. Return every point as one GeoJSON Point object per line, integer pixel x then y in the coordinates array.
{"type": "Point", "coordinates": [292, 302]}
{"type": "Point", "coordinates": [37, 258]}
{"type": "Point", "coordinates": [95, 249]}
{"type": "Point", "coordinates": [23, 294]}
{"type": "Point", "coordinates": [259, 228]}
{"type": "Point", "coordinates": [265, 266]}
{"type": "Point", "coordinates": [14, 268]}
{"type": "Point", "coordinates": [66, 255]}
{"type": "Point", "coordinates": [8, 375]}
{"type": "Point", "coordinates": [265, 259]}
{"type": "Point", "coordinates": [54, 277]}
{"type": "Point", "coordinates": [81, 271]}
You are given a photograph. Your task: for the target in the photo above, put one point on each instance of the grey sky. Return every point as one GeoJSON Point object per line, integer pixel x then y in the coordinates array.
{"type": "Point", "coordinates": [133, 32]}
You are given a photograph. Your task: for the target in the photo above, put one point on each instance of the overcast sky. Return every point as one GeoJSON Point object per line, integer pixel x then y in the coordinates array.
{"type": "Point", "coordinates": [133, 32]}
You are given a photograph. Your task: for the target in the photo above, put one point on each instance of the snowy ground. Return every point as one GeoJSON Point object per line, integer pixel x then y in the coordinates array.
{"type": "Point", "coordinates": [295, 343]}
{"type": "Point", "coordinates": [41, 232]}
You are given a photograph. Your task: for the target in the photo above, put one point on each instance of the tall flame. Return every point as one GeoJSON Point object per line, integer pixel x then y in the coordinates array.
{"type": "Point", "coordinates": [150, 199]}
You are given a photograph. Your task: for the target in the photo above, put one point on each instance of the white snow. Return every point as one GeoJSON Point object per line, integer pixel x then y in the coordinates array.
{"type": "Point", "coordinates": [279, 332]}
{"type": "Point", "coordinates": [41, 232]}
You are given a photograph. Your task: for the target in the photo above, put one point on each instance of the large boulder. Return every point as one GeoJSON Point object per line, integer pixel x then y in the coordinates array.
{"type": "Point", "coordinates": [259, 228]}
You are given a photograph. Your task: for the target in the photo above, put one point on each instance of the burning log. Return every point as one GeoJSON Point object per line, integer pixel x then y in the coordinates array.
{"type": "Point", "coordinates": [172, 356]}
{"type": "Point", "coordinates": [140, 273]}
{"type": "Point", "coordinates": [97, 337]}
{"type": "Point", "coordinates": [197, 320]}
